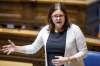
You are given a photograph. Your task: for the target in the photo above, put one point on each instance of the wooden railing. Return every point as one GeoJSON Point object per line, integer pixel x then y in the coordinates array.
{"type": "Point", "coordinates": [75, 2]}
{"type": "Point", "coordinates": [93, 41]}
{"type": "Point", "coordinates": [32, 33]}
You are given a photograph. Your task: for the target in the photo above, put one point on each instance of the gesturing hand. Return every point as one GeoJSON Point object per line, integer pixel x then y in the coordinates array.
{"type": "Point", "coordinates": [59, 61]}
{"type": "Point", "coordinates": [9, 48]}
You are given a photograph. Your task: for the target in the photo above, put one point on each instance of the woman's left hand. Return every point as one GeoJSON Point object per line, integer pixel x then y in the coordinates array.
{"type": "Point", "coordinates": [59, 60]}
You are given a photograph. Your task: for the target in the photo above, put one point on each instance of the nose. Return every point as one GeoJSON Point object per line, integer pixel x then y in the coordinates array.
{"type": "Point", "coordinates": [58, 18]}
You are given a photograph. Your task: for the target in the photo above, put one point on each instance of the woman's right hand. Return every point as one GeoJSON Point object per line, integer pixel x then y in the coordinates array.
{"type": "Point", "coordinates": [9, 48]}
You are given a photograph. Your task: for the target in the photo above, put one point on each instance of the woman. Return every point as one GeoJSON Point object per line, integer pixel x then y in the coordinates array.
{"type": "Point", "coordinates": [63, 42]}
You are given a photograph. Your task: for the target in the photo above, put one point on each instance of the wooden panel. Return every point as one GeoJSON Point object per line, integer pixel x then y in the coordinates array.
{"type": "Point", "coordinates": [12, 63]}
{"type": "Point", "coordinates": [94, 41]}
{"type": "Point", "coordinates": [75, 2]}
{"type": "Point", "coordinates": [35, 13]}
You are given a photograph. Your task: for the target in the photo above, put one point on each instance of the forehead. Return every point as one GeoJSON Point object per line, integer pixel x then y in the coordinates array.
{"type": "Point", "coordinates": [57, 12]}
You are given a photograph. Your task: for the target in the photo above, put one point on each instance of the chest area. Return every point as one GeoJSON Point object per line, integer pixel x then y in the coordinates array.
{"type": "Point", "coordinates": [56, 42]}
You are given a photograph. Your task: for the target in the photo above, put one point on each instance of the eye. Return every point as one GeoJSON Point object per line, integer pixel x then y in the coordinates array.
{"type": "Point", "coordinates": [55, 16]}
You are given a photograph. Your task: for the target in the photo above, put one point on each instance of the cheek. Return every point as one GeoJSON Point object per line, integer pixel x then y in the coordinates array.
{"type": "Point", "coordinates": [54, 20]}
{"type": "Point", "coordinates": [64, 19]}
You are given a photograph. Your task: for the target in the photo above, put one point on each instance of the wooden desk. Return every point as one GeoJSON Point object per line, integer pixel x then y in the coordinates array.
{"type": "Point", "coordinates": [98, 35]}
{"type": "Point", "coordinates": [93, 41]}
{"type": "Point", "coordinates": [93, 44]}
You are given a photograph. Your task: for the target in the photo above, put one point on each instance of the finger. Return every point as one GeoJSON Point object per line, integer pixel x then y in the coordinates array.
{"type": "Point", "coordinates": [6, 46]}
{"type": "Point", "coordinates": [5, 51]}
{"type": "Point", "coordinates": [8, 52]}
{"type": "Point", "coordinates": [55, 60]}
{"type": "Point", "coordinates": [12, 43]}
{"type": "Point", "coordinates": [55, 63]}
{"type": "Point", "coordinates": [58, 56]}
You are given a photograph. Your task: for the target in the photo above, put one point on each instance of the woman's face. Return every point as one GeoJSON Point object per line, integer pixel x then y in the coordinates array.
{"type": "Point", "coordinates": [58, 19]}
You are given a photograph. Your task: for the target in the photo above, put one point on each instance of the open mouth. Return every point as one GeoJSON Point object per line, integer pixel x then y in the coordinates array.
{"type": "Point", "coordinates": [58, 22]}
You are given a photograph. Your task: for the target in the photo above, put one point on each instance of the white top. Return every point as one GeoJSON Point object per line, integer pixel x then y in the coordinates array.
{"type": "Point", "coordinates": [75, 44]}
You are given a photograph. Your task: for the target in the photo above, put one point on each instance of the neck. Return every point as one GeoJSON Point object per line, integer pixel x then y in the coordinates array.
{"type": "Point", "coordinates": [59, 30]}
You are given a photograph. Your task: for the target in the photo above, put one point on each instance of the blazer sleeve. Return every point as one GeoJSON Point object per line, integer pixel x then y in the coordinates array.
{"type": "Point", "coordinates": [80, 42]}
{"type": "Point", "coordinates": [35, 46]}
